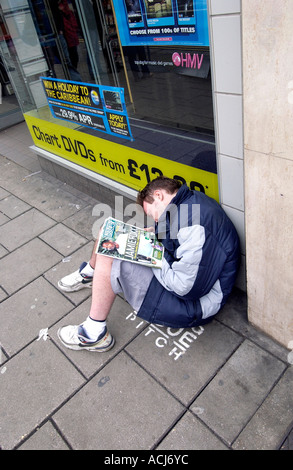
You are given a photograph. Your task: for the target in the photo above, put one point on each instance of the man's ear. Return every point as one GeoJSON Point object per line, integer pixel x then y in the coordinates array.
{"type": "Point", "coordinates": [158, 194]}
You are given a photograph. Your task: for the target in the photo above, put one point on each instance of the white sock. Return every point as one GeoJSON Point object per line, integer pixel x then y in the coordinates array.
{"type": "Point", "coordinates": [93, 328]}
{"type": "Point", "coordinates": [88, 270]}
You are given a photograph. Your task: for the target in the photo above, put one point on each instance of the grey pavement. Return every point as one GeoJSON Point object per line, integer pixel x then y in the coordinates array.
{"type": "Point", "coordinates": [222, 386]}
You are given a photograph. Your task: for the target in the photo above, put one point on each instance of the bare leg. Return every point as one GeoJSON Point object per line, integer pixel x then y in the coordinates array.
{"type": "Point", "coordinates": [102, 293]}
{"type": "Point", "coordinates": [93, 259]}
{"type": "Point", "coordinates": [92, 334]}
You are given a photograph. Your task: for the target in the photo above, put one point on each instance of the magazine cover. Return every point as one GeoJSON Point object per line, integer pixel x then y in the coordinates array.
{"type": "Point", "coordinates": [130, 243]}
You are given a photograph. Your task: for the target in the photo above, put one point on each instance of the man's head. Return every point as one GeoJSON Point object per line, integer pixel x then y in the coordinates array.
{"type": "Point", "coordinates": [156, 196]}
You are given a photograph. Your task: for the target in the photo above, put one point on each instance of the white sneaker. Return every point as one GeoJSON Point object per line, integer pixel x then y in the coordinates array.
{"type": "Point", "coordinates": [76, 281]}
{"type": "Point", "coordinates": [75, 337]}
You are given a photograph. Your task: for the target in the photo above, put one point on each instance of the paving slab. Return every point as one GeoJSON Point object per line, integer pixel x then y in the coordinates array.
{"type": "Point", "coordinates": [26, 264]}
{"type": "Point", "coordinates": [50, 199]}
{"type": "Point", "coordinates": [3, 251]}
{"type": "Point", "coordinates": [184, 360]}
{"type": "Point", "coordinates": [24, 228]}
{"type": "Point", "coordinates": [32, 385]}
{"type": "Point", "coordinates": [234, 315]}
{"type": "Point", "coordinates": [3, 219]}
{"type": "Point", "coordinates": [12, 206]}
{"type": "Point", "coordinates": [239, 388]}
{"type": "Point", "coordinates": [273, 419]}
{"type": "Point", "coordinates": [122, 323]}
{"type": "Point", "coordinates": [122, 407]}
{"type": "Point", "coordinates": [3, 356]}
{"type": "Point", "coordinates": [190, 434]}
{"type": "Point", "coordinates": [288, 443]}
{"type": "Point", "coordinates": [82, 222]}
{"type": "Point", "coordinates": [3, 193]}
{"type": "Point", "coordinates": [63, 239]}
{"type": "Point", "coordinates": [3, 295]}
{"type": "Point", "coordinates": [68, 265]}
{"type": "Point", "coordinates": [35, 307]}
{"type": "Point", "coordinates": [11, 174]}
{"type": "Point", "coordinates": [45, 438]}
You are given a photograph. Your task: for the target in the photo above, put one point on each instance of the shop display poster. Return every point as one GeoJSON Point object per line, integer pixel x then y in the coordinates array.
{"type": "Point", "coordinates": [162, 22]}
{"type": "Point", "coordinates": [96, 106]}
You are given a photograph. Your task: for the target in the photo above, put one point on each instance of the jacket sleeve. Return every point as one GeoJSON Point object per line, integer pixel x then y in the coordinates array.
{"type": "Point", "coordinates": [180, 276]}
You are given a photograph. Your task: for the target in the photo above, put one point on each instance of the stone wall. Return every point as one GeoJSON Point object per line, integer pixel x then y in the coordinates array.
{"type": "Point", "coordinates": [268, 164]}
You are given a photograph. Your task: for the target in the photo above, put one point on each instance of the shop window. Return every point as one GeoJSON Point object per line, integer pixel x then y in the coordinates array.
{"type": "Point", "coordinates": [155, 51]}
{"type": "Point", "coordinates": [166, 48]}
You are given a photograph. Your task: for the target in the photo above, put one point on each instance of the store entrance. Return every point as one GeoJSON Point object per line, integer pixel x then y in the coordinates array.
{"type": "Point", "coordinates": [10, 112]}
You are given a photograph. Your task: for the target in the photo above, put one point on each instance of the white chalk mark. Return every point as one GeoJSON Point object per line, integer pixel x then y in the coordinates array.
{"type": "Point", "coordinates": [43, 334]}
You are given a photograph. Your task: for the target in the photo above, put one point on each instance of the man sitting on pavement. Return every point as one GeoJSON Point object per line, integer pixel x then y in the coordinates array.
{"type": "Point", "coordinates": [199, 269]}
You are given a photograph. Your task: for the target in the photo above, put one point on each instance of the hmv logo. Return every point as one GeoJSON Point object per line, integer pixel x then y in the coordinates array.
{"type": "Point", "coordinates": [190, 61]}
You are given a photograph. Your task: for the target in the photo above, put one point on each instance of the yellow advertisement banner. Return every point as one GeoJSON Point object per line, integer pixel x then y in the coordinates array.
{"type": "Point", "coordinates": [128, 166]}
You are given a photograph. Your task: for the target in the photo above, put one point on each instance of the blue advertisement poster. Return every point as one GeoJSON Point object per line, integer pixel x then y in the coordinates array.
{"type": "Point", "coordinates": [99, 107]}
{"type": "Point", "coordinates": [162, 22]}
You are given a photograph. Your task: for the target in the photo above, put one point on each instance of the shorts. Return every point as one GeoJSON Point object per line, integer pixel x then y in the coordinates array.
{"type": "Point", "coordinates": [132, 280]}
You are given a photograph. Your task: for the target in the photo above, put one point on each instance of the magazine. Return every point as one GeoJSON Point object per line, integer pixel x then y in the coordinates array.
{"type": "Point", "coordinates": [130, 243]}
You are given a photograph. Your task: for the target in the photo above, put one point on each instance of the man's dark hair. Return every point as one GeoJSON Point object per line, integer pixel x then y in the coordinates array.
{"type": "Point", "coordinates": [171, 186]}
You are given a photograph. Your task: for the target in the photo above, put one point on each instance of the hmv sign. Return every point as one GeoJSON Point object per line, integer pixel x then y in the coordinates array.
{"type": "Point", "coordinates": [190, 63]}
{"type": "Point", "coordinates": [187, 60]}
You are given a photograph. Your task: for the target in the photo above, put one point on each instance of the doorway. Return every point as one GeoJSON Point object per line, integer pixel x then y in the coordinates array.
{"type": "Point", "coordinates": [10, 112]}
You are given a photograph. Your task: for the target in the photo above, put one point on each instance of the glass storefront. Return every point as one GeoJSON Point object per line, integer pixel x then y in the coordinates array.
{"type": "Point", "coordinates": [10, 111]}
{"type": "Point", "coordinates": [154, 52]}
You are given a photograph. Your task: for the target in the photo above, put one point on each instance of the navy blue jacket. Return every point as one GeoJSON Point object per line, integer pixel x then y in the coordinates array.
{"type": "Point", "coordinates": [200, 262]}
